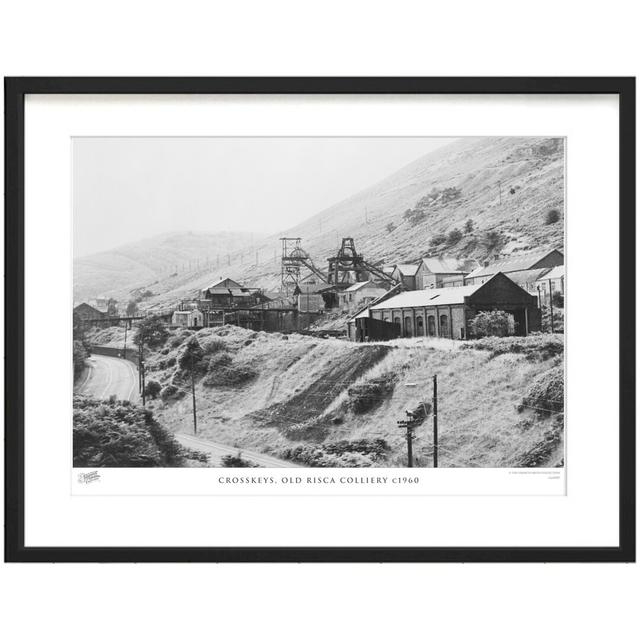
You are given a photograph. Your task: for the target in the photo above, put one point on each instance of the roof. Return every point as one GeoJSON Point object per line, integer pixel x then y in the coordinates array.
{"type": "Point", "coordinates": [223, 283]}
{"type": "Point", "coordinates": [359, 285]}
{"type": "Point", "coordinates": [429, 297]}
{"type": "Point", "coordinates": [555, 273]}
{"type": "Point", "coordinates": [408, 269]}
{"type": "Point", "coordinates": [184, 313]}
{"type": "Point", "coordinates": [517, 263]}
{"type": "Point", "coordinates": [442, 265]}
{"type": "Point", "coordinates": [86, 304]}
{"type": "Point", "coordinates": [530, 275]}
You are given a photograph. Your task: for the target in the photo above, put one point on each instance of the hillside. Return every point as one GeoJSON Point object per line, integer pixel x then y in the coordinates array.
{"type": "Point", "coordinates": [142, 264]}
{"type": "Point", "coordinates": [504, 185]}
{"type": "Point", "coordinates": [312, 400]}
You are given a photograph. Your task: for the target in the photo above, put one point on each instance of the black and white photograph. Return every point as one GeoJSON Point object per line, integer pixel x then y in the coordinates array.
{"type": "Point", "coordinates": [318, 302]}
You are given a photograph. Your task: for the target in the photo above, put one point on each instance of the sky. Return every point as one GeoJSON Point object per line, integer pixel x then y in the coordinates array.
{"type": "Point", "coordinates": [126, 189]}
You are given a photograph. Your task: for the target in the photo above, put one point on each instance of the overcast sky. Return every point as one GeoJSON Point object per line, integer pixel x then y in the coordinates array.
{"type": "Point", "coordinates": [126, 189]}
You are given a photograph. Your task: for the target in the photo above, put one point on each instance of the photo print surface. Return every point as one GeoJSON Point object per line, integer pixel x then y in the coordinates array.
{"type": "Point", "coordinates": [318, 302]}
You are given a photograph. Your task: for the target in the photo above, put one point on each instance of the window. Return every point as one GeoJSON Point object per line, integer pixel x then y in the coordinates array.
{"type": "Point", "coordinates": [431, 325]}
{"type": "Point", "coordinates": [444, 326]}
{"type": "Point", "coordinates": [408, 327]}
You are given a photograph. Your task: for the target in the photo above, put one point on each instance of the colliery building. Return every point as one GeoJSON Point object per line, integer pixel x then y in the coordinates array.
{"type": "Point", "coordinates": [446, 312]}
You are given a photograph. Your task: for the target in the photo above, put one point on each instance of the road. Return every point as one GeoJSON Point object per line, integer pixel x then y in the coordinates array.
{"type": "Point", "coordinates": [108, 377]}
{"type": "Point", "coordinates": [216, 451]}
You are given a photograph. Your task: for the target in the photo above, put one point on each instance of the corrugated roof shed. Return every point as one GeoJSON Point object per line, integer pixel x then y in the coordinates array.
{"type": "Point", "coordinates": [429, 297]}
{"type": "Point", "coordinates": [518, 263]}
{"type": "Point", "coordinates": [554, 274]}
{"type": "Point", "coordinates": [442, 265]}
{"type": "Point", "coordinates": [408, 269]}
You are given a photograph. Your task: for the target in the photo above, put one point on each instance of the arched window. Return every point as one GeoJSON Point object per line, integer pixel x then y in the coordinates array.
{"type": "Point", "coordinates": [431, 325]}
{"type": "Point", "coordinates": [444, 326]}
{"type": "Point", "coordinates": [419, 326]}
{"type": "Point", "coordinates": [408, 327]}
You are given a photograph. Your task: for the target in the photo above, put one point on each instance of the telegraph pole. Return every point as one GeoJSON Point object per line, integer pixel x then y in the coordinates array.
{"type": "Point", "coordinates": [409, 425]}
{"type": "Point", "coordinates": [193, 395]}
{"type": "Point", "coordinates": [124, 353]}
{"type": "Point", "coordinates": [141, 364]}
{"type": "Point", "coordinates": [551, 306]}
{"type": "Point", "coordinates": [435, 421]}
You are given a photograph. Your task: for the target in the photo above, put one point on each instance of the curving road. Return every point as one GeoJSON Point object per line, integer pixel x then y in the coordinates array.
{"type": "Point", "coordinates": [108, 376]}
{"type": "Point", "coordinates": [216, 451]}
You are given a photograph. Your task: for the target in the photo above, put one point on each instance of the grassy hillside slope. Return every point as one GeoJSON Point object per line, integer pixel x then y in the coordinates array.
{"type": "Point", "coordinates": [505, 185]}
{"type": "Point", "coordinates": [335, 403]}
{"type": "Point", "coordinates": [167, 257]}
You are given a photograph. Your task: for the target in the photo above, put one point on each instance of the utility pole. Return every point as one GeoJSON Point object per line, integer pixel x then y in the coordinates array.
{"type": "Point", "coordinates": [193, 395]}
{"type": "Point", "coordinates": [435, 421]}
{"type": "Point", "coordinates": [141, 368]}
{"type": "Point", "coordinates": [124, 353]}
{"type": "Point", "coordinates": [409, 425]}
{"type": "Point", "coordinates": [551, 306]}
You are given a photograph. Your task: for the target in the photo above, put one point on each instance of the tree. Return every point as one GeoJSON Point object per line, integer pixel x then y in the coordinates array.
{"type": "Point", "coordinates": [79, 358]}
{"type": "Point", "coordinates": [152, 332]}
{"type": "Point", "coordinates": [491, 323]}
{"type": "Point", "coordinates": [152, 389]}
{"type": "Point", "coordinates": [132, 308]}
{"type": "Point", "coordinates": [468, 226]}
{"type": "Point", "coordinates": [455, 235]}
{"type": "Point", "coordinates": [492, 239]}
{"type": "Point", "coordinates": [553, 215]}
{"type": "Point", "coordinates": [191, 355]}
{"type": "Point", "coordinates": [112, 307]}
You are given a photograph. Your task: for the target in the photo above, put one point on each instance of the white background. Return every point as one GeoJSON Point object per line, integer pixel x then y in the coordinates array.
{"type": "Point", "coordinates": [332, 38]}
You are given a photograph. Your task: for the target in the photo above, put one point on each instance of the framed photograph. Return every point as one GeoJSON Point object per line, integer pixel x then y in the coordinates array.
{"type": "Point", "coordinates": [320, 319]}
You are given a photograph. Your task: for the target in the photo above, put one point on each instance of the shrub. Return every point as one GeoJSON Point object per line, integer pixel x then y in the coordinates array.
{"type": "Point", "coordinates": [553, 215]}
{"type": "Point", "coordinates": [390, 227]}
{"type": "Point", "coordinates": [491, 323]}
{"type": "Point", "coordinates": [224, 372]}
{"type": "Point", "coordinates": [343, 453]}
{"type": "Point", "coordinates": [492, 239]}
{"type": "Point", "coordinates": [546, 395]}
{"type": "Point", "coordinates": [454, 236]}
{"type": "Point", "coordinates": [439, 238]}
{"type": "Point", "coordinates": [118, 434]}
{"type": "Point", "coordinates": [450, 194]}
{"type": "Point", "coordinates": [132, 308]}
{"type": "Point", "coordinates": [558, 299]}
{"type": "Point", "coordinates": [368, 395]}
{"type": "Point", "coordinates": [151, 332]}
{"type": "Point", "coordinates": [171, 392]}
{"type": "Point", "coordinates": [214, 346]}
{"type": "Point", "coordinates": [152, 389]}
{"type": "Point", "coordinates": [534, 347]}
{"type": "Point", "coordinates": [468, 226]}
{"type": "Point", "coordinates": [79, 358]}
{"type": "Point", "coordinates": [237, 461]}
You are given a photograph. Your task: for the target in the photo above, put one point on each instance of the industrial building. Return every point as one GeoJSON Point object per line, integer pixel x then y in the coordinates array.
{"type": "Point", "coordinates": [446, 312]}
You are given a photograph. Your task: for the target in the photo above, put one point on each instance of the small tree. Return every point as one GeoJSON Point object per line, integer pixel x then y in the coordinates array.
{"type": "Point", "coordinates": [455, 235]}
{"type": "Point", "coordinates": [132, 308]}
{"type": "Point", "coordinates": [558, 299]}
{"type": "Point", "coordinates": [79, 358]}
{"type": "Point", "coordinates": [390, 227]}
{"type": "Point", "coordinates": [491, 323]}
{"type": "Point", "coordinates": [492, 239]}
{"type": "Point", "coordinates": [191, 355]}
{"type": "Point", "coordinates": [552, 216]}
{"type": "Point", "coordinates": [151, 332]}
{"type": "Point", "coordinates": [439, 238]}
{"type": "Point", "coordinates": [468, 226]}
{"type": "Point", "coordinates": [152, 389]}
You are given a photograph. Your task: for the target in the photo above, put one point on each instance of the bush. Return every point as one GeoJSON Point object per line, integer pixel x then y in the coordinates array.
{"type": "Point", "coordinates": [214, 346]}
{"type": "Point", "coordinates": [152, 389]}
{"type": "Point", "coordinates": [491, 323]}
{"type": "Point", "coordinates": [468, 226]}
{"type": "Point", "coordinates": [535, 347]}
{"type": "Point", "coordinates": [151, 332]}
{"type": "Point", "coordinates": [224, 372]}
{"type": "Point", "coordinates": [439, 238]}
{"type": "Point", "coordinates": [492, 239]}
{"type": "Point", "coordinates": [237, 461]}
{"type": "Point", "coordinates": [171, 392]}
{"type": "Point", "coordinates": [390, 227]}
{"type": "Point", "coordinates": [546, 395]}
{"type": "Point", "coordinates": [558, 299]}
{"type": "Point", "coordinates": [454, 236]}
{"type": "Point", "coordinates": [119, 434]}
{"type": "Point", "coordinates": [80, 356]}
{"type": "Point", "coordinates": [343, 453]}
{"type": "Point", "coordinates": [552, 216]}
{"type": "Point", "coordinates": [368, 395]}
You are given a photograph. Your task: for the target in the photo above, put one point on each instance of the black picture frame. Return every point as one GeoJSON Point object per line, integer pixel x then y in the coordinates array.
{"type": "Point", "coordinates": [15, 91]}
